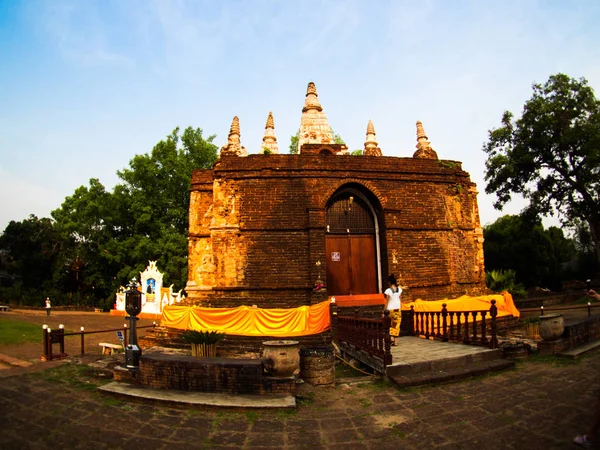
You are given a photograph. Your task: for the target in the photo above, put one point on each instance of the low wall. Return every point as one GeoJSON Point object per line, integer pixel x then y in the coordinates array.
{"type": "Point", "coordinates": [233, 376]}
{"type": "Point", "coordinates": [217, 375]}
{"type": "Point", "coordinates": [575, 334]}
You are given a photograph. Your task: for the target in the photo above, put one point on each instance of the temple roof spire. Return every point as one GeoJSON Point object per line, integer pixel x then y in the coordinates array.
{"type": "Point", "coordinates": [314, 127]}
{"type": "Point", "coordinates": [234, 146]}
{"type": "Point", "coordinates": [424, 149]}
{"type": "Point", "coordinates": [269, 141]}
{"type": "Point", "coordinates": [371, 148]}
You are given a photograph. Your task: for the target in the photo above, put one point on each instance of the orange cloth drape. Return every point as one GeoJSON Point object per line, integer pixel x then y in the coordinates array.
{"type": "Point", "coordinates": [248, 321]}
{"type": "Point", "coordinates": [504, 303]}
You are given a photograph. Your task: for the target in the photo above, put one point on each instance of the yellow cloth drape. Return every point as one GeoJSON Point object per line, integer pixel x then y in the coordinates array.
{"type": "Point", "coordinates": [504, 303]}
{"type": "Point", "coordinates": [248, 321]}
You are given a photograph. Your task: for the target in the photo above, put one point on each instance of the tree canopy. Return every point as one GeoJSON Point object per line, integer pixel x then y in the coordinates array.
{"type": "Point", "coordinates": [100, 239]}
{"type": "Point", "coordinates": [521, 243]}
{"type": "Point", "coordinates": [551, 154]}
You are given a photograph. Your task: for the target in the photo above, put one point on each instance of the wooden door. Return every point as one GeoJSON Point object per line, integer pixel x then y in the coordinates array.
{"type": "Point", "coordinates": [351, 264]}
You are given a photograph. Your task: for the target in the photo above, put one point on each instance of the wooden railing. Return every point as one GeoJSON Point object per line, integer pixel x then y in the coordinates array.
{"type": "Point", "coordinates": [58, 337]}
{"type": "Point", "coordinates": [468, 327]}
{"type": "Point", "coordinates": [369, 335]}
{"type": "Point", "coordinates": [541, 309]}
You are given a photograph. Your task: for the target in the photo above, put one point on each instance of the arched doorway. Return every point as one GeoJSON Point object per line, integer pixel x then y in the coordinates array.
{"type": "Point", "coordinates": [352, 244]}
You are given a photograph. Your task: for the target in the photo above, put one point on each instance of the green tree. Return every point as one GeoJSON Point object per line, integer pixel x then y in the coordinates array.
{"type": "Point", "coordinates": [113, 235]}
{"type": "Point", "coordinates": [30, 249]}
{"type": "Point", "coordinates": [294, 143]}
{"type": "Point", "coordinates": [551, 154]}
{"type": "Point", "coordinates": [521, 243]}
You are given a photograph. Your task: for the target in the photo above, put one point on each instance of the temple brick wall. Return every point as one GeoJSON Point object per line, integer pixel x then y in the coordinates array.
{"type": "Point", "coordinates": [257, 226]}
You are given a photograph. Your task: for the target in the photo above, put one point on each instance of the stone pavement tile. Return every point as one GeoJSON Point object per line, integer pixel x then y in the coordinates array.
{"type": "Point", "coordinates": [158, 431]}
{"type": "Point", "coordinates": [302, 425]}
{"type": "Point", "coordinates": [353, 445]}
{"type": "Point", "coordinates": [143, 442]}
{"type": "Point", "coordinates": [165, 420]}
{"type": "Point", "coordinates": [233, 424]}
{"type": "Point", "coordinates": [316, 445]}
{"type": "Point", "coordinates": [265, 440]}
{"type": "Point", "coordinates": [332, 436]}
{"type": "Point", "coordinates": [303, 438]}
{"type": "Point", "coordinates": [267, 426]}
{"type": "Point", "coordinates": [190, 434]}
{"type": "Point", "coordinates": [198, 423]}
{"type": "Point", "coordinates": [228, 438]}
{"type": "Point", "coordinates": [336, 423]}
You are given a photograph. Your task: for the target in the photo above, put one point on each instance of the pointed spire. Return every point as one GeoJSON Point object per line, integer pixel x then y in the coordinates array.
{"type": "Point", "coordinates": [371, 148]}
{"type": "Point", "coordinates": [234, 146]}
{"type": "Point", "coordinates": [269, 140]}
{"type": "Point", "coordinates": [424, 149]}
{"type": "Point", "coordinates": [312, 99]}
{"type": "Point", "coordinates": [314, 127]}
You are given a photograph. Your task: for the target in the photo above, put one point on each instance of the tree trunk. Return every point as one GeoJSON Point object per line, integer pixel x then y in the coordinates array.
{"type": "Point", "coordinates": [595, 232]}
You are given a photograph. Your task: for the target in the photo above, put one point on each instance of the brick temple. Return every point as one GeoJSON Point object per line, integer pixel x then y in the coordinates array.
{"type": "Point", "coordinates": [285, 230]}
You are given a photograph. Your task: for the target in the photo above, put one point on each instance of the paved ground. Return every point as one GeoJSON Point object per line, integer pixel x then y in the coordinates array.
{"type": "Point", "coordinates": [541, 404]}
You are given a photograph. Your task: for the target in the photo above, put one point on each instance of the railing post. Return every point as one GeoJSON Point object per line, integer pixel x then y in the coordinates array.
{"type": "Point", "coordinates": [82, 343]}
{"type": "Point", "coordinates": [61, 334]}
{"type": "Point", "coordinates": [494, 313]}
{"type": "Point", "coordinates": [44, 330]}
{"type": "Point", "coordinates": [589, 309]}
{"type": "Point", "coordinates": [466, 339]}
{"type": "Point", "coordinates": [355, 333]}
{"type": "Point", "coordinates": [49, 343]}
{"type": "Point", "coordinates": [412, 319]}
{"type": "Point", "coordinates": [474, 337]}
{"type": "Point", "coordinates": [451, 330]}
{"type": "Point", "coordinates": [332, 319]}
{"type": "Point", "coordinates": [438, 325]}
{"type": "Point", "coordinates": [484, 340]}
{"type": "Point", "coordinates": [444, 323]}
{"type": "Point", "coordinates": [387, 339]}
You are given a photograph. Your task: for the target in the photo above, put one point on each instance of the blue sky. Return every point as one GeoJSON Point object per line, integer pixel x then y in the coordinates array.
{"type": "Point", "coordinates": [86, 85]}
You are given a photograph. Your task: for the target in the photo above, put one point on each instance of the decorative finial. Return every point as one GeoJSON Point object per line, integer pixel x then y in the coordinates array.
{"type": "Point", "coordinates": [424, 149]}
{"type": "Point", "coordinates": [234, 146]}
{"type": "Point", "coordinates": [235, 126]}
{"type": "Point", "coordinates": [270, 122]}
{"type": "Point", "coordinates": [312, 99]}
{"type": "Point", "coordinates": [269, 143]}
{"type": "Point", "coordinates": [371, 148]}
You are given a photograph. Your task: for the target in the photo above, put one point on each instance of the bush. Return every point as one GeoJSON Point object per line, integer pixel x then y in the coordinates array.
{"type": "Point", "coordinates": [504, 280]}
{"type": "Point", "coordinates": [202, 337]}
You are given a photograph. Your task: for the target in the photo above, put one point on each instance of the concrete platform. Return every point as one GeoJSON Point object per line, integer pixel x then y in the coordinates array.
{"type": "Point", "coordinates": [417, 361]}
{"type": "Point", "coordinates": [200, 398]}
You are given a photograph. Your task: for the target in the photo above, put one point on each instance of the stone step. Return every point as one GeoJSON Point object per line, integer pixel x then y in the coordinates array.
{"type": "Point", "coordinates": [451, 373]}
{"type": "Point", "coordinates": [576, 352]}
{"type": "Point", "coordinates": [433, 363]}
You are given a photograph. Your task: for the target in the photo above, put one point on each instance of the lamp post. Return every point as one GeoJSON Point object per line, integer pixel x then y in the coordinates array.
{"type": "Point", "coordinates": [133, 306]}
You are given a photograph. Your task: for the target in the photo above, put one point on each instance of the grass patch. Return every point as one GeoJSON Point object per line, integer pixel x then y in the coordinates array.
{"type": "Point", "coordinates": [343, 370]}
{"type": "Point", "coordinates": [251, 416]}
{"type": "Point", "coordinates": [305, 399]}
{"type": "Point", "coordinates": [19, 332]}
{"type": "Point", "coordinates": [379, 384]}
{"type": "Point", "coordinates": [554, 361]}
{"type": "Point", "coordinates": [365, 403]}
{"type": "Point", "coordinates": [73, 375]}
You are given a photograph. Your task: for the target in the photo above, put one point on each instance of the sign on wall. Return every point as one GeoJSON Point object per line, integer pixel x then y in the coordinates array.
{"type": "Point", "coordinates": [335, 256]}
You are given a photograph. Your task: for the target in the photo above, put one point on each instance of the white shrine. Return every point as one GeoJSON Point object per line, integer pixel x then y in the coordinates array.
{"type": "Point", "coordinates": [154, 296]}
